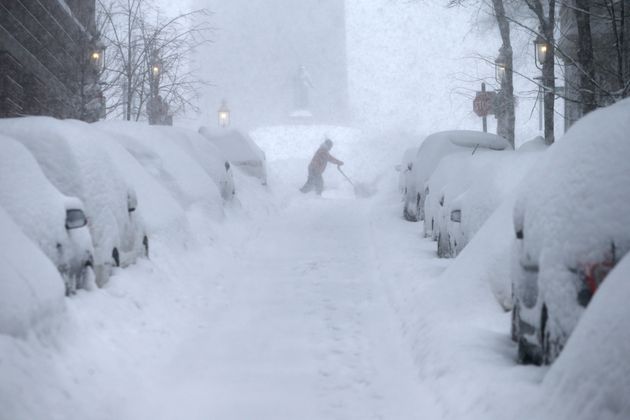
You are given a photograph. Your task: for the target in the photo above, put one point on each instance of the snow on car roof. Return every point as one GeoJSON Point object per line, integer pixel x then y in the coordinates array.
{"type": "Point", "coordinates": [236, 146]}
{"type": "Point", "coordinates": [72, 159]}
{"type": "Point", "coordinates": [29, 197]}
{"type": "Point", "coordinates": [155, 149]}
{"type": "Point", "coordinates": [577, 198]}
{"type": "Point", "coordinates": [470, 138]}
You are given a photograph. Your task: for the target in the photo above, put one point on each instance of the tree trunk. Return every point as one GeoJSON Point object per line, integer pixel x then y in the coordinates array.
{"type": "Point", "coordinates": [548, 72]}
{"type": "Point", "coordinates": [585, 56]}
{"type": "Point", "coordinates": [506, 116]}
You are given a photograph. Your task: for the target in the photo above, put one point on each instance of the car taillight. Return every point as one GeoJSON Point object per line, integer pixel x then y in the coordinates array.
{"type": "Point", "coordinates": [592, 276]}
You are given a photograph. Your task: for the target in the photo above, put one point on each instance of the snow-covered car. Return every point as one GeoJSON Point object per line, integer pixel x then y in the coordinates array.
{"type": "Point", "coordinates": [31, 290]}
{"type": "Point", "coordinates": [571, 221]}
{"type": "Point", "coordinates": [56, 223]}
{"type": "Point", "coordinates": [590, 380]}
{"type": "Point", "coordinates": [240, 150]}
{"type": "Point", "coordinates": [431, 151]}
{"type": "Point", "coordinates": [210, 158]}
{"type": "Point", "coordinates": [495, 180]}
{"type": "Point", "coordinates": [156, 149]}
{"type": "Point", "coordinates": [73, 160]}
{"type": "Point", "coordinates": [405, 170]}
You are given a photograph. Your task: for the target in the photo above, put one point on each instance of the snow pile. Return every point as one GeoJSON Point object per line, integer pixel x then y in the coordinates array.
{"type": "Point", "coordinates": [591, 378]}
{"type": "Point", "coordinates": [31, 291]}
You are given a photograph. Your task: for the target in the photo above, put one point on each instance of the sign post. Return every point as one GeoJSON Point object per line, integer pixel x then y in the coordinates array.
{"type": "Point", "coordinates": [483, 105]}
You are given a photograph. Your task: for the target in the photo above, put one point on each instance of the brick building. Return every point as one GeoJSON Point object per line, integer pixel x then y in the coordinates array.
{"type": "Point", "coordinates": [49, 59]}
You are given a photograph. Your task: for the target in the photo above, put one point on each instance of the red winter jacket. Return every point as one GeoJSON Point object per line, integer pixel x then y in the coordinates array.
{"type": "Point", "coordinates": [320, 159]}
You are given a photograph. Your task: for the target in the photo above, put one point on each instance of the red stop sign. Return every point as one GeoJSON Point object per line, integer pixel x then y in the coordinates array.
{"type": "Point", "coordinates": [483, 104]}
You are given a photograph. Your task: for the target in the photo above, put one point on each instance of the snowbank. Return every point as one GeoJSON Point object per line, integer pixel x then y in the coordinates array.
{"type": "Point", "coordinates": [591, 378]}
{"type": "Point", "coordinates": [31, 290]}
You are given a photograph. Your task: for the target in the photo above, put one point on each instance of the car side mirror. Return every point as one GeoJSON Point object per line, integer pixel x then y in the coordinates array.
{"type": "Point", "coordinates": [456, 216]}
{"type": "Point", "coordinates": [75, 219]}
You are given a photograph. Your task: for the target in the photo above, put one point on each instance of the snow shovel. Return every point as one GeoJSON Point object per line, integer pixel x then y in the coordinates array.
{"type": "Point", "coordinates": [360, 189]}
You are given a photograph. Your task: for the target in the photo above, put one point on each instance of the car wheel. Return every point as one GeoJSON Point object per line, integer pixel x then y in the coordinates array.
{"type": "Point", "coordinates": [145, 243]}
{"type": "Point", "coordinates": [516, 319]}
{"type": "Point", "coordinates": [442, 251]}
{"type": "Point", "coordinates": [116, 257]}
{"type": "Point", "coordinates": [544, 336]}
{"type": "Point", "coordinates": [524, 357]}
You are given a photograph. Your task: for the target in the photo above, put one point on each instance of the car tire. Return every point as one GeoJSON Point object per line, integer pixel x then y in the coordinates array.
{"type": "Point", "coordinates": [523, 356]}
{"type": "Point", "coordinates": [145, 244]}
{"type": "Point", "coordinates": [116, 257]}
{"type": "Point", "coordinates": [516, 319]}
{"type": "Point", "coordinates": [544, 336]}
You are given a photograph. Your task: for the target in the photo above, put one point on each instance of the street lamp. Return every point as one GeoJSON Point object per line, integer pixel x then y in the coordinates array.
{"type": "Point", "coordinates": [224, 115]}
{"type": "Point", "coordinates": [97, 56]}
{"type": "Point", "coordinates": [541, 48]}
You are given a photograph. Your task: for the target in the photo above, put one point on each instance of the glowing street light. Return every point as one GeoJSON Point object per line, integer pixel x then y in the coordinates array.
{"type": "Point", "coordinates": [542, 47]}
{"type": "Point", "coordinates": [500, 67]}
{"type": "Point", "coordinates": [224, 115]}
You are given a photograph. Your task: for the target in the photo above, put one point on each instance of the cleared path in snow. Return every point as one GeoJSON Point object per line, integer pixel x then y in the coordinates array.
{"type": "Point", "coordinates": [307, 331]}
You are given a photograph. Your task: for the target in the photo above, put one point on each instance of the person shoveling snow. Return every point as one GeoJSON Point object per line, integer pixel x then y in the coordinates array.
{"type": "Point", "coordinates": [317, 167]}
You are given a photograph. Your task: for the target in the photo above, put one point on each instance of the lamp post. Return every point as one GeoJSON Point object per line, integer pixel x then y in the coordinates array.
{"type": "Point", "coordinates": [154, 105]}
{"type": "Point", "coordinates": [541, 47]}
{"type": "Point", "coordinates": [544, 60]}
{"type": "Point", "coordinates": [224, 115]}
{"type": "Point", "coordinates": [97, 57]}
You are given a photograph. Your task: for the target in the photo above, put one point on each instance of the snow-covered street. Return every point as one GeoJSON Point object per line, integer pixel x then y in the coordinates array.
{"type": "Point", "coordinates": [306, 331]}
{"type": "Point", "coordinates": [296, 309]}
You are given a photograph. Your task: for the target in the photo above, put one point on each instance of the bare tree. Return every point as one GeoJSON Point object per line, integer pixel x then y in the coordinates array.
{"type": "Point", "coordinates": [545, 13]}
{"type": "Point", "coordinates": [149, 56]}
{"type": "Point", "coordinates": [504, 109]}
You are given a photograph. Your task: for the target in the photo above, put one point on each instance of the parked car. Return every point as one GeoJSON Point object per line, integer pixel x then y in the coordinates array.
{"type": "Point", "coordinates": [240, 150]}
{"type": "Point", "coordinates": [495, 180]}
{"type": "Point", "coordinates": [210, 158]}
{"type": "Point", "coordinates": [56, 223]}
{"type": "Point", "coordinates": [73, 160]}
{"type": "Point", "coordinates": [157, 150]}
{"type": "Point", "coordinates": [431, 151]}
{"type": "Point", "coordinates": [571, 222]}
{"type": "Point", "coordinates": [31, 290]}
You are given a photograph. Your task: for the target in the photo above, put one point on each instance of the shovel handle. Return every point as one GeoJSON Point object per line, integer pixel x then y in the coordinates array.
{"type": "Point", "coordinates": [344, 175]}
